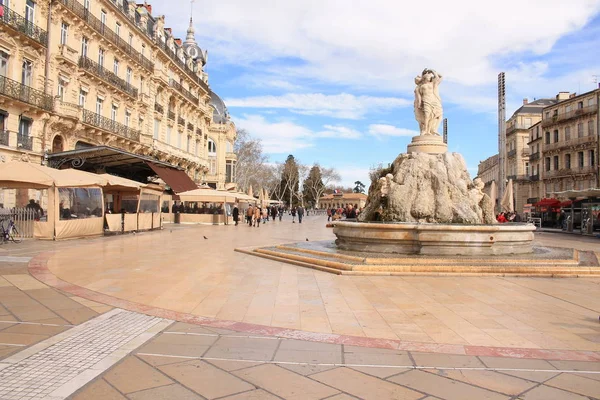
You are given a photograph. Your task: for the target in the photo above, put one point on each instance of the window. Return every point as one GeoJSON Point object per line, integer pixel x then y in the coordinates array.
{"type": "Point", "coordinates": [3, 63]}
{"type": "Point", "coordinates": [141, 85]}
{"type": "Point", "coordinates": [212, 148]}
{"type": "Point", "coordinates": [580, 105]}
{"type": "Point", "coordinates": [230, 171]}
{"type": "Point", "coordinates": [556, 136]}
{"type": "Point", "coordinates": [116, 67]}
{"type": "Point", "coordinates": [82, 97]}
{"type": "Point", "coordinates": [30, 11]}
{"type": "Point", "coordinates": [86, 4]}
{"type": "Point", "coordinates": [168, 134]}
{"type": "Point", "coordinates": [84, 46]}
{"type": "Point", "coordinates": [99, 105]}
{"type": "Point", "coordinates": [590, 102]}
{"type": "Point", "coordinates": [547, 114]}
{"type": "Point", "coordinates": [189, 143]}
{"type": "Point", "coordinates": [526, 169]}
{"type": "Point", "coordinates": [118, 29]}
{"type": "Point", "coordinates": [128, 76]}
{"type": "Point", "coordinates": [568, 133]}
{"type": "Point", "coordinates": [212, 164]}
{"type": "Point", "coordinates": [547, 137]}
{"type": "Point", "coordinates": [103, 18]}
{"type": "Point", "coordinates": [592, 158]}
{"type": "Point", "coordinates": [114, 110]}
{"type": "Point", "coordinates": [60, 92]}
{"type": "Point", "coordinates": [64, 33]}
{"type": "Point", "coordinates": [80, 203]}
{"type": "Point", "coordinates": [527, 122]}
{"type": "Point", "coordinates": [130, 41]}
{"type": "Point", "coordinates": [567, 161]}
{"type": "Point", "coordinates": [197, 147]}
{"type": "Point", "coordinates": [25, 127]}
{"type": "Point", "coordinates": [101, 57]}
{"type": "Point", "coordinates": [556, 163]}
{"type": "Point", "coordinates": [591, 128]}
{"type": "Point", "coordinates": [143, 50]}
{"type": "Point", "coordinates": [567, 109]}
{"type": "Point", "coordinates": [26, 72]}
{"type": "Point", "coordinates": [580, 159]}
{"type": "Point", "coordinates": [156, 128]}
{"type": "Point", "coordinates": [127, 118]}
{"type": "Point", "coordinates": [179, 135]}
{"type": "Point", "coordinates": [580, 130]}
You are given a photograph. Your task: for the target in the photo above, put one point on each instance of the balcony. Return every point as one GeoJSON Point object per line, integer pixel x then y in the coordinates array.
{"type": "Point", "coordinates": [171, 115]}
{"type": "Point", "coordinates": [190, 73]}
{"type": "Point", "coordinates": [79, 10]}
{"type": "Point", "coordinates": [512, 153]}
{"type": "Point", "coordinates": [159, 108]}
{"type": "Point", "coordinates": [98, 121]}
{"type": "Point", "coordinates": [68, 55]}
{"type": "Point", "coordinates": [534, 156]}
{"type": "Point", "coordinates": [230, 156]}
{"type": "Point", "coordinates": [25, 94]}
{"type": "Point", "coordinates": [559, 118]}
{"type": "Point", "coordinates": [190, 127]}
{"type": "Point", "coordinates": [180, 121]}
{"type": "Point", "coordinates": [24, 142]}
{"type": "Point", "coordinates": [99, 71]}
{"type": "Point", "coordinates": [177, 152]}
{"type": "Point", "coordinates": [68, 110]}
{"type": "Point", "coordinates": [4, 138]}
{"type": "Point", "coordinates": [570, 171]}
{"type": "Point", "coordinates": [534, 178]}
{"type": "Point", "coordinates": [186, 93]}
{"type": "Point", "coordinates": [516, 127]}
{"type": "Point", "coordinates": [123, 7]}
{"type": "Point", "coordinates": [199, 132]}
{"type": "Point", "coordinates": [578, 141]}
{"type": "Point", "coordinates": [17, 23]}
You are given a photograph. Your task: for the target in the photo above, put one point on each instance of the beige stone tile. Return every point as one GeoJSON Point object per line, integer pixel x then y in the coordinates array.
{"type": "Point", "coordinates": [306, 369]}
{"type": "Point", "coordinates": [285, 383]}
{"type": "Point", "coordinates": [156, 361]}
{"type": "Point", "coordinates": [98, 390]}
{"type": "Point", "coordinates": [20, 338]}
{"type": "Point", "coordinates": [517, 363]}
{"type": "Point", "coordinates": [258, 394]}
{"type": "Point", "coordinates": [43, 330]}
{"type": "Point", "coordinates": [5, 351]}
{"type": "Point", "coordinates": [190, 328]}
{"type": "Point", "coordinates": [548, 393]}
{"type": "Point", "coordinates": [24, 282]}
{"type": "Point", "coordinates": [232, 365]}
{"type": "Point", "coordinates": [4, 282]}
{"type": "Point", "coordinates": [488, 380]}
{"type": "Point", "coordinates": [165, 393]}
{"type": "Point", "coordinates": [78, 315]}
{"type": "Point", "coordinates": [380, 372]}
{"type": "Point", "coordinates": [441, 387]}
{"type": "Point", "coordinates": [205, 379]}
{"type": "Point", "coordinates": [341, 396]}
{"type": "Point", "coordinates": [445, 360]}
{"type": "Point", "coordinates": [179, 345]}
{"type": "Point", "coordinates": [308, 352]}
{"type": "Point", "coordinates": [364, 386]}
{"type": "Point", "coordinates": [133, 375]}
{"type": "Point", "coordinates": [576, 365]}
{"type": "Point", "coordinates": [576, 384]}
{"type": "Point", "coordinates": [367, 356]}
{"type": "Point", "coordinates": [243, 349]}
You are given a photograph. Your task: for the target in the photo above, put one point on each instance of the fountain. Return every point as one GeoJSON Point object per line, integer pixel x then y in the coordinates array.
{"type": "Point", "coordinates": [424, 215]}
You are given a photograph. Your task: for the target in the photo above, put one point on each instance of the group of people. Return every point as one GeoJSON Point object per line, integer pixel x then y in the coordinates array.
{"type": "Point", "coordinates": [256, 214]}
{"type": "Point", "coordinates": [349, 211]}
{"type": "Point", "coordinates": [508, 217]}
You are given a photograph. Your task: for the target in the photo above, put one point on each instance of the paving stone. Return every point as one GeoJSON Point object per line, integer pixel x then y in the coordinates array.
{"type": "Point", "coordinates": [442, 387]}
{"type": "Point", "coordinates": [576, 365]}
{"type": "Point", "coordinates": [77, 315]}
{"type": "Point", "coordinates": [183, 327]}
{"type": "Point", "coordinates": [364, 386]}
{"type": "Point", "coordinates": [232, 365]}
{"type": "Point", "coordinates": [205, 379]}
{"type": "Point", "coordinates": [98, 390]}
{"type": "Point", "coordinates": [549, 393]}
{"type": "Point", "coordinates": [258, 394]}
{"type": "Point", "coordinates": [168, 392]}
{"type": "Point", "coordinates": [179, 345]}
{"type": "Point", "coordinates": [20, 338]}
{"type": "Point", "coordinates": [306, 369]}
{"type": "Point", "coordinates": [133, 375]}
{"type": "Point", "coordinates": [489, 380]}
{"type": "Point", "coordinates": [380, 372]}
{"type": "Point", "coordinates": [576, 384]}
{"type": "Point", "coordinates": [445, 360]}
{"type": "Point", "coordinates": [243, 349]}
{"type": "Point", "coordinates": [285, 383]}
{"type": "Point", "coordinates": [158, 360]}
{"type": "Point", "coordinates": [341, 396]}
{"type": "Point", "coordinates": [44, 330]}
{"type": "Point", "coordinates": [369, 356]}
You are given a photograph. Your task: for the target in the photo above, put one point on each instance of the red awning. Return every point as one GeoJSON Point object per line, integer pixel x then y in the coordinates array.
{"type": "Point", "coordinates": [548, 203]}
{"type": "Point", "coordinates": [177, 179]}
{"type": "Point", "coordinates": [566, 203]}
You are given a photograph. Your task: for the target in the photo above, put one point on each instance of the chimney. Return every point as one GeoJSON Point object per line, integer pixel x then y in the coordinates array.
{"type": "Point", "coordinates": [562, 96]}
{"type": "Point", "coordinates": [572, 95]}
{"type": "Point", "coordinates": [525, 101]}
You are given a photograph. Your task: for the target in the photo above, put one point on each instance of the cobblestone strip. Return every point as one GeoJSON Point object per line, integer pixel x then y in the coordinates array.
{"type": "Point", "coordinates": [57, 367]}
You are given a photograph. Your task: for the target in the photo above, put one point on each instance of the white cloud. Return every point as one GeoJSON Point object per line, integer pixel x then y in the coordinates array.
{"type": "Point", "coordinates": [340, 132]}
{"type": "Point", "coordinates": [390, 130]}
{"type": "Point", "coordinates": [352, 173]}
{"type": "Point", "coordinates": [344, 106]}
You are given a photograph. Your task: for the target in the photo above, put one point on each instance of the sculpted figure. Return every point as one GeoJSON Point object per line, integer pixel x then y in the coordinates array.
{"type": "Point", "coordinates": [428, 104]}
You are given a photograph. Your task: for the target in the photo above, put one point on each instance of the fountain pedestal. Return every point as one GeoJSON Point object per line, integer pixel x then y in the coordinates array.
{"type": "Point", "coordinates": [432, 144]}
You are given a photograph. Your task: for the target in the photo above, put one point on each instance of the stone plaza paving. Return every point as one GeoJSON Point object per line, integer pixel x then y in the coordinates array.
{"type": "Point", "coordinates": [214, 323]}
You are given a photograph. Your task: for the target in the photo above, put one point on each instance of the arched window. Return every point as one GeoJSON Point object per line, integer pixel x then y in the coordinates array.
{"type": "Point", "coordinates": [212, 148]}
{"type": "Point", "coordinates": [57, 144]}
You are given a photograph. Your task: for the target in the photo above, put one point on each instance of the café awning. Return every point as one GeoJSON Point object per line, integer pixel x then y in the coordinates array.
{"type": "Point", "coordinates": [208, 195]}
{"type": "Point", "coordinates": [547, 203]}
{"type": "Point", "coordinates": [18, 174]}
{"type": "Point", "coordinates": [178, 180]}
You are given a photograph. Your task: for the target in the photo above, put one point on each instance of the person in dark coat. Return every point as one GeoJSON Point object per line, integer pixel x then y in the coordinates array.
{"type": "Point", "coordinates": [236, 214]}
{"type": "Point", "coordinates": [300, 211]}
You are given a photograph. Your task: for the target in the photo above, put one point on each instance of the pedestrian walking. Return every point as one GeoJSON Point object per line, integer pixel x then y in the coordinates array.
{"type": "Point", "coordinates": [293, 212]}
{"type": "Point", "coordinates": [280, 212]}
{"type": "Point", "coordinates": [257, 216]}
{"type": "Point", "coordinates": [300, 211]}
{"type": "Point", "coordinates": [236, 214]}
{"type": "Point", "coordinates": [249, 215]}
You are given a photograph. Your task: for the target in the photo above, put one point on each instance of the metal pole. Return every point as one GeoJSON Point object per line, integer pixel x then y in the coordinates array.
{"type": "Point", "coordinates": [446, 130]}
{"type": "Point", "coordinates": [501, 135]}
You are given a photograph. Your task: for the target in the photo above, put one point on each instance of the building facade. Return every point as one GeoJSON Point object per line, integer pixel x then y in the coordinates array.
{"type": "Point", "coordinates": [74, 75]}
{"type": "Point", "coordinates": [568, 142]}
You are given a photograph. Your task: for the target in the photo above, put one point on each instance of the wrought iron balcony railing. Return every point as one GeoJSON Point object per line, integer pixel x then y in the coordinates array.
{"type": "Point", "coordinates": [516, 126]}
{"type": "Point", "coordinates": [25, 94]}
{"type": "Point", "coordinates": [21, 25]}
{"type": "Point", "coordinates": [512, 153]}
{"type": "Point", "coordinates": [186, 93]}
{"type": "Point", "coordinates": [534, 178]}
{"type": "Point", "coordinates": [124, 8]}
{"type": "Point", "coordinates": [159, 108]}
{"type": "Point", "coordinates": [24, 142]}
{"type": "Point", "coordinates": [107, 76]}
{"type": "Point", "coordinates": [579, 112]}
{"type": "Point", "coordinates": [189, 72]}
{"type": "Point", "coordinates": [4, 138]}
{"type": "Point", "coordinates": [92, 21]}
{"type": "Point", "coordinates": [534, 156]}
{"type": "Point", "coordinates": [181, 121]}
{"type": "Point", "coordinates": [190, 127]}
{"type": "Point", "coordinates": [171, 115]}
{"type": "Point", "coordinates": [199, 132]}
{"type": "Point", "coordinates": [585, 141]}
{"type": "Point", "coordinates": [91, 118]}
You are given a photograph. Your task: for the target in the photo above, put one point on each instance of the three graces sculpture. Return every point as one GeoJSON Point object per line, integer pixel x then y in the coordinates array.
{"type": "Point", "coordinates": [428, 104]}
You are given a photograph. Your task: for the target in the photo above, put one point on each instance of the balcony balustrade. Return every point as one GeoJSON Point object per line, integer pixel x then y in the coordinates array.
{"type": "Point", "coordinates": [186, 93]}
{"type": "Point", "coordinates": [68, 110]}
{"type": "Point", "coordinates": [534, 178]}
{"type": "Point", "coordinates": [512, 153]}
{"type": "Point", "coordinates": [91, 118]}
{"type": "Point", "coordinates": [20, 24]}
{"type": "Point", "coordinates": [180, 121]}
{"type": "Point", "coordinates": [25, 94]}
{"type": "Point", "coordinates": [171, 115]}
{"type": "Point", "coordinates": [4, 138]}
{"type": "Point", "coordinates": [190, 127]}
{"type": "Point", "coordinates": [534, 156]}
{"type": "Point", "coordinates": [107, 76]}
{"type": "Point", "coordinates": [124, 8]}
{"type": "Point", "coordinates": [592, 140]}
{"type": "Point", "coordinates": [199, 132]}
{"type": "Point", "coordinates": [515, 127]}
{"type": "Point", "coordinates": [570, 171]}
{"type": "Point", "coordinates": [579, 112]}
{"type": "Point", "coordinates": [24, 142]}
{"type": "Point", "coordinates": [83, 13]}
{"type": "Point", "coordinates": [159, 108]}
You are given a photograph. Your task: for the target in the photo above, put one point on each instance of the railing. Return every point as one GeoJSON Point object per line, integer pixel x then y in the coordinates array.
{"type": "Point", "coordinates": [177, 152]}
{"type": "Point", "coordinates": [514, 127]}
{"type": "Point", "coordinates": [123, 6]}
{"type": "Point", "coordinates": [180, 121]}
{"type": "Point", "coordinates": [579, 112]}
{"type": "Point", "coordinates": [23, 219]}
{"type": "Point", "coordinates": [570, 171]}
{"type": "Point", "coordinates": [190, 127]}
{"type": "Point", "coordinates": [24, 142]}
{"type": "Point", "coordinates": [186, 93]}
{"type": "Point", "coordinates": [109, 77]}
{"type": "Point", "coordinates": [231, 156]}
{"type": "Point", "coordinates": [171, 115]}
{"type": "Point", "coordinates": [159, 108]}
{"type": "Point", "coordinates": [512, 153]}
{"type": "Point", "coordinates": [199, 132]}
{"type": "Point", "coordinates": [4, 138]}
{"type": "Point", "coordinates": [92, 21]}
{"type": "Point", "coordinates": [20, 24]}
{"type": "Point", "coordinates": [534, 178]}
{"type": "Point", "coordinates": [91, 118]}
{"type": "Point", "coordinates": [26, 94]}
{"type": "Point", "coordinates": [173, 56]}
{"type": "Point", "coordinates": [70, 110]}
{"type": "Point", "coordinates": [572, 142]}
{"type": "Point", "coordinates": [534, 156]}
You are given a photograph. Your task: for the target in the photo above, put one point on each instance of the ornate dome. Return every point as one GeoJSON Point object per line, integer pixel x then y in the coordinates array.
{"type": "Point", "coordinates": [220, 113]}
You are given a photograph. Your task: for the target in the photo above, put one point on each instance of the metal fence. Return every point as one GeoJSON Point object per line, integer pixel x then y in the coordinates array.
{"type": "Point", "coordinates": [23, 219]}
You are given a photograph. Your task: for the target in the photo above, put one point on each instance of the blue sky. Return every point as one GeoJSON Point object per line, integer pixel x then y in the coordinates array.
{"type": "Point", "coordinates": [332, 81]}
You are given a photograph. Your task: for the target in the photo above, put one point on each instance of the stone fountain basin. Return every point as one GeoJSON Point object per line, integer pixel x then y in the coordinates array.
{"type": "Point", "coordinates": [435, 239]}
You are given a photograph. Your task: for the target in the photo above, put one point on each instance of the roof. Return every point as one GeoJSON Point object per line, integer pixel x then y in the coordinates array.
{"type": "Point", "coordinates": [18, 174]}
{"type": "Point", "coordinates": [535, 107]}
{"type": "Point", "coordinates": [220, 113]}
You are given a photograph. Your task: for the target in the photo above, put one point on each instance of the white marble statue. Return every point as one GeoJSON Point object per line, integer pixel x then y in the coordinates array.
{"type": "Point", "coordinates": [428, 104]}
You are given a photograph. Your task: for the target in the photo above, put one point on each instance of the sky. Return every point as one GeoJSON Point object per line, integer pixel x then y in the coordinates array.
{"type": "Point", "coordinates": [332, 81]}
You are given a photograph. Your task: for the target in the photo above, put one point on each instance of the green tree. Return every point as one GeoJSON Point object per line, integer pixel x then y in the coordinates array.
{"type": "Point", "coordinates": [316, 183]}
{"type": "Point", "coordinates": [359, 187]}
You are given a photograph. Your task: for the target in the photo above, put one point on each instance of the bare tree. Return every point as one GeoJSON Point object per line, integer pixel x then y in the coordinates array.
{"type": "Point", "coordinates": [317, 182]}
{"type": "Point", "coordinates": [252, 165]}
